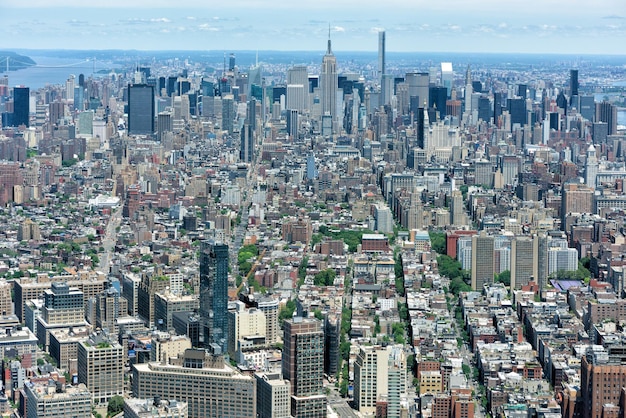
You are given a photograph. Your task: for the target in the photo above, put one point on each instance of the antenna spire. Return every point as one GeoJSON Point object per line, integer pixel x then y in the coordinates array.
{"type": "Point", "coordinates": [329, 50]}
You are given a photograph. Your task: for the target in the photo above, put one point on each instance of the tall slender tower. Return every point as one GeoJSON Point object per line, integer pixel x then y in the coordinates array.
{"type": "Point", "coordinates": [329, 82]}
{"type": "Point", "coordinates": [591, 167]}
{"type": "Point", "coordinates": [381, 54]}
{"type": "Point", "coordinates": [214, 293]}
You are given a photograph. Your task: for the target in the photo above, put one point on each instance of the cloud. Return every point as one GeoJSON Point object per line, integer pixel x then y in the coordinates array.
{"type": "Point", "coordinates": [376, 29]}
{"type": "Point", "coordinates": [614, 17]}
{"type": "Point", "coordinates": [338, 29]}
{"type": "Point", "coordinates": [160, 20]}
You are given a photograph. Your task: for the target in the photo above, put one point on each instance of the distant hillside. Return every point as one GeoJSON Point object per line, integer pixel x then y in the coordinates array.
{"type": "Point", "coordinates": [16, 61]}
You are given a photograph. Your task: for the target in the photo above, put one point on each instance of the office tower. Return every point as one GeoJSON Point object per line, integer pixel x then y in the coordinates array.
{"type": "Point", "coordinates": [587, 107]}
{"type": "Point", "coordinates": [599, 132]}
{"type": "Point", "coordinates": [483, 173]}
{"type": "Point", "coordinates": [573, 83]}
{"type": "Point", "coordinates": [140, 109]}
{"type": "Point", "coordinates": [591, 167]}
{"type": "Point", "coordinates": [438, 98]}
{"type": "Point", "coordinates": [379, 371]}
{"type": "Point", "coordinates": [296, 96]}
{"type": "Point", "coordinates": [70, 84]}
{"type": "Point", "coordinates": [607, 112]}
{"type": "Point", "coordinates": [21, 106]}
{"type": "Point", "coordinates": [381, 54]}
{"type": "Point", "coordinates": [447, 77]}
{"type": "Point", "coordinates": [575, 198]}
{"type": "Point", "coordinates": [210, 387]}
{"type": "Point", "coordinates": [457, 209]}
{"type": "Point", "coordinates": [214, 293]}
{"type": "Point", "coordinates": [52, 400]}
{"type": "Point", "coordinates": [101, 367]}
{"type": "Point", "coordinates": [522, 91]}
{"type": "Point", "coordinates": [484, 109]}
{"type": "Point", "coordinates": [149, 286]}
{"type": "Point", "coordinates": [329, 83]}
{"type": "Point", "coordinates": [542, 260]}
{"type": "Point", "coordinates": [418, 87]}
{"type": "Point", "coordinates": [228, 113]}
{"type": "Point", "coordinates": [311, 168]}
{"type": "Point", "coordinates": [422, 127]}
{"type": "Point", "coordinates": [79, 98]}
{"type": "Point", "coordinates": [231, 62]}
{"type": "Point", "coordinates": [164, 124]}
{"type": "Point", "coordinates": [482, 260]}
{"type": "Point", "coordinates": [292, 123]}
{"type": "Point", "coordinates": [497, 106]}
{"type": "Point", "coordinates": [273, 394]}
{"type": "Point", "coordinates": [524, 253]}
{"type": "Point", "coordinates": [246, 151]}
{"type": "Point", "coordinates": [510, 169]}
{"type": "Point", "coordinates": [303, 366]}
{"type": "Point", "coordinates": [168, 303]}
{"type": "Point", "coordinates": [517, 110]}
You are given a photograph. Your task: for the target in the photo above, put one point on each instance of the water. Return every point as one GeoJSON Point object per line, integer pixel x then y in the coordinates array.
{"type": "Point", "coordinates": [51, 71]}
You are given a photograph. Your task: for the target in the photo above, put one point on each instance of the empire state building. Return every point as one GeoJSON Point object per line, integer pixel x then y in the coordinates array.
{"type": "Point", "coordinates": [329, 83]}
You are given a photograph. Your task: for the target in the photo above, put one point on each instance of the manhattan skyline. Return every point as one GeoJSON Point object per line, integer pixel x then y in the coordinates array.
{"type": "Point", "coordinates": [576, 27]}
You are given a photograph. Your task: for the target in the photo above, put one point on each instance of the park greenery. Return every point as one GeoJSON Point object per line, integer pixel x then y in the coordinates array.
{"type": "Point", "coordinates": [351, 238]}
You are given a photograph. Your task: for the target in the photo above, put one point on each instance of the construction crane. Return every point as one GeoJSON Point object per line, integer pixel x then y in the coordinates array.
{"type": "Point", "coordinates": [252, 270]}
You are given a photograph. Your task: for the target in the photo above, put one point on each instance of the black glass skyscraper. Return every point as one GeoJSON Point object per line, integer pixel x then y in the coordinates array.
{"type": "Point", "coordinates": [140, 109]}
{"type": "Point", "coordinates": [21, 106]}
{"type": "Point", "coordinates": [573, 82]}
{"type": "Point", "coordinates": [214, 293]}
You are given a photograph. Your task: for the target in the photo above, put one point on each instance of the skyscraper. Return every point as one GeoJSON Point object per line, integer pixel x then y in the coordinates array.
{"type": "Point", "coordinates": [607, 112]}
{"type": "Point", "coordinates": [523, 261]}
{"type": "Point", "coordinates": [21, 106]}
{"type": "Point", "coordinates": [140, 109]}
{"type": "Point", "coordinates": [303, 366]}
{"type": "Point", "coordinates": [573, 82]}
{"type": "Point", "coordinates": [591, 167]}
{"type": "Point", "coordinates": [329, 83]}
{"type": "Point", "coordinates": [381, 54]}
{"type": "Point", "coordinates": [482, 260]}
{"type": "Point", "coordinates": [214, 293]}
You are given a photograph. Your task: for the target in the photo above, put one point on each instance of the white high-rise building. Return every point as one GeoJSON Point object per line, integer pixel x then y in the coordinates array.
{"type": "Point", "coordinates": [296, 97]}
{"type": "Point", "coordinates": [379, 371]}
{"type": "Point", "coordinates": [591, 167]}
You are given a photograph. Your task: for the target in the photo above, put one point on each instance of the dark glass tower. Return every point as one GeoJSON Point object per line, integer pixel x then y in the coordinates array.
{"type": "Point", "coordinates": [214, 293]}
{"type": "Point", "coordinates": [573, 82]}
{"type": "Point", "coordinates": [21, 105]}
{"type": "Point", "coordinates": [140, 109]}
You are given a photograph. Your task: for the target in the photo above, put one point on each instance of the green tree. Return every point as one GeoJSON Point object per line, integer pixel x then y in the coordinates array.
{"type": "Point", "coordinates": [116, 405]}
{"type": "Point", "coordinates": [438, 242]}
{"type": "Point", "coordinates": [286, 312]}
{"type": "Point", "coordinates": [504, 278]}
{"type": "Point", "coordinates": [325, 277]}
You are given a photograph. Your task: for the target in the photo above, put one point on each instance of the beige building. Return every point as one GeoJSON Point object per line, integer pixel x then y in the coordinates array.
{"type": "Point", "coordinates": [273, 396]}
{"type": "Point", "coordinates": [244, 323]}
{"type": "Point", "coordinates": [379, 372]}
{"type": "Point", "coordinates": [101, 367]}
{"type": "Point", "coordinates": [165, 346]}
{"type": "Point", "coordinates": [218, 389]}
{"type": "Point", "coordinates": [44, 401]}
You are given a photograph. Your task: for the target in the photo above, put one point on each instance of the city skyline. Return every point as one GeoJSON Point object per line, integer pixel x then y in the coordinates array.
{"type": "Point", "coordinates": [447, 26]}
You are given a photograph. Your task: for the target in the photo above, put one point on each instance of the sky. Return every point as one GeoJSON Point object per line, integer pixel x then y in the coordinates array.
{"type": "Point", "coordinates": [525, 26]}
